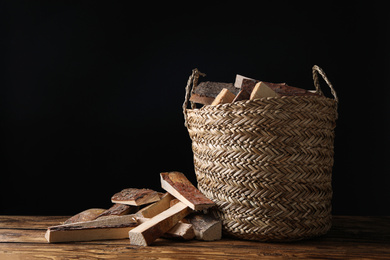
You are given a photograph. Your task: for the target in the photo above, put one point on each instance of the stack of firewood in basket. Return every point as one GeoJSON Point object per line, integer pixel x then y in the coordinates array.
{"type": "Point", "coordinates": [143, 215]}
{"type": "Point", "coordinates": [244, 88]}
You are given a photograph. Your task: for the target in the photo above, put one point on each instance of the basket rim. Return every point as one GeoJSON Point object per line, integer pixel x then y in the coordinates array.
{"type": "Point", "coordinates": [247, 102]}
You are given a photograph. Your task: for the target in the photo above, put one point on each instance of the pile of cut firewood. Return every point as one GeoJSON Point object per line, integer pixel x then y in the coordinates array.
{"type": "Point", "coordinates": [143, 215]}
{"type": "Point", "coordinates": [244, 88]}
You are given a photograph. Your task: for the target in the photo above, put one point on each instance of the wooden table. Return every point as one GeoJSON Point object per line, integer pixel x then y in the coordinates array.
{"type": "Point", "coordinates": [22, 237]}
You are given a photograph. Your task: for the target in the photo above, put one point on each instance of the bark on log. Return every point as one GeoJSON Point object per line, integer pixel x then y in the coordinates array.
{"type": "Point", "coordinates": [179, 186]}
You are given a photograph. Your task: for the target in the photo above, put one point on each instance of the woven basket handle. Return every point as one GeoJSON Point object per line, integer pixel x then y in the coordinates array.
{"type": "Point", "coordinates": [191, 83]}
{"type": "Point", "coordinates": [317, 70]}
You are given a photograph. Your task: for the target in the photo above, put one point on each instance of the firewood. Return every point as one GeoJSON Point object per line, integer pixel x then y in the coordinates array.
{"type": "Point", "coordinates": [135, 197]}
{"type": "Point", "coordinates": [225, 96]}
{"type": "Point", "coordinates": [181, 230]}
{"type": "Point", "coordinates": [179, 186]}
{"type": "Point", "coordinates": [173, 202]}
{"type": "Point", "coordinates": [206, 226]}
{"type": "Point", "coordinates": [116, 227]}
{"type": "Point", "coordinates": [247, 86]}
{"type": "Point", "coordinates": [149, 231]}
{"type": "Point", "coordinates": [212, 89]}
{"type": "Point", "coordinates": [286, 90]}
{"type": "Point", "coordinates": [262, 90]}
{"type": "Point", "coordinates": [196, 98]}
{"type": "Point", "coordinates": [155, 208]}
{"type": "Point", "coordinates": [119, 210]}
{"type": "Point", "coordinates": [86, 215]}
{"type": "Point", "coordinates": [240, 79]}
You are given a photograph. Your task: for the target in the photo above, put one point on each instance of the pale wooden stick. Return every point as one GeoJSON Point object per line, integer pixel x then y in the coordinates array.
{"type": "Point", "coordinates": [156, 208]}
{"type": "Point", "coordinates": [180, 230]}
{"type": "Point", "coordinates": [149, 231]}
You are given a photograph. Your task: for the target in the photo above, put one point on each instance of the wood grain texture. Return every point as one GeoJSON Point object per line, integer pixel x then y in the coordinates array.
{"type": "Point", "coordinates": [135, 197]}
{"type": "Point", "coordinates": [240, 81]}
{"type": "Point", "coordinates": [196, 98]}
{"type": "Point", "coordinates": [351, 237]}
{"type": "Point", "coordinates": [118, 210]}
{"type": "Point", "coordinates": [111, 227]}
{"type": "Point", "coordinates": [156, 208]}
{"type": "Point", "coordinates": [146, 233]}
{"type": "Point", "coordinates": [225, 96]}
{"type": "Point", "coordinates": [262, 90]}
{"type": "Point", "coordinates": [212, 89]}
{"type": "Point", "coordinates": [86, 215]}
{"type": "Point", "coordinates": [181, 230]}
{"type": "Point", "coordinates": [247, 86]}
{"type": "Point", "coordinates": [206, 226]}
{"type": "Point", "coordinates": [179, 186]}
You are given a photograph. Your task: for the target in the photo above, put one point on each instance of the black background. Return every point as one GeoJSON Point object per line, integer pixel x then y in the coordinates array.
{"type": "Point", "coordinates": [91, 93]}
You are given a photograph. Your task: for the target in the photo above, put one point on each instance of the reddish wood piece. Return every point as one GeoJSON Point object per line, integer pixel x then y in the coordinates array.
{"type": "Point", "coordinates": [247, 86]}
{"type": "Point", "coordinates": [285, 90]}
{"type": "Point", "coordinates": [179, 186]}
{"type": "Point", "coordinates": [240, 81]}
{"type": "Point", "coordinates": [196, 98]}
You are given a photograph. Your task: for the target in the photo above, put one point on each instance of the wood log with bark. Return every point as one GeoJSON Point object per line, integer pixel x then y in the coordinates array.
{"type": "Point", "coordinates": [116, 227]}
{"type": "Point", "coordinates": [86, 215]}
{"type": "Point", "coordinates": [135, 197]}
{"type": "Point", "coordinates": [179, 186]}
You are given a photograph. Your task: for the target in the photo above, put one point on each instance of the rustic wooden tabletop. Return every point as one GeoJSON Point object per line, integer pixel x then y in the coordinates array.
{"type": "Point", "coordinates": [351, 237]}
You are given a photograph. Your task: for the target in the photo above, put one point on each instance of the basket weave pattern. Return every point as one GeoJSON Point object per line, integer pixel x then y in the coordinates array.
{"type": "Point", "coordinates": [267, 164]}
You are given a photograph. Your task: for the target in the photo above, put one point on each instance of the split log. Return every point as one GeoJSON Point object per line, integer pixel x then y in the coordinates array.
{"type": "Point", "coordinates": [181, 230]}
{"type": "Point", "coordinates": [247, 86]}
{"type": "Point", "coordinates": [262, 90]}
{"type": "Point", "coordinates": [116, 227]}
{"type": "Point", "coordinates": [285, 90]}
{"type": "Point", "coordinates": [119, 210]}
{"type": "Point", "coordinates": [135, 197]}
{"type": "Point", "coordinates": [179, 186]}
{"type": "Point", "coordinates": [212, 89]}
{"type": "Point", "coordinates": [206, 226]}
{"type": "Point", "coordinates": [86, 215]}
{"type": "Point", "coordinates": [173, 202]}
{"type": "Point", "coordinates": [149, 231]}
{"type": "Point", "coordinates": [240, 79]}
{"type": "Point", "coordinates": [156, 208]}
{"type": "Point", "coordinates": [225, 96]}
{"type": "Point", "coordinates": [196, 98]}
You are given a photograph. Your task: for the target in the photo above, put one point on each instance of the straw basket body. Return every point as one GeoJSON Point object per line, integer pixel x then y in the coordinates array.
{"type": "Point", "coordinates": [267, 163]}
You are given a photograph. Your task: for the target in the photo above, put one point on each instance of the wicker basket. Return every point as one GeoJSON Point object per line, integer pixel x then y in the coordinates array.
{"type": "Point", "coordinates": [266, 163]}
